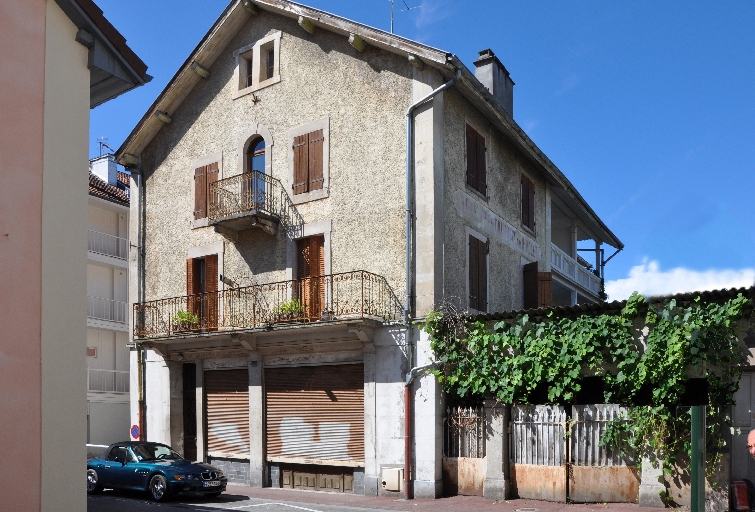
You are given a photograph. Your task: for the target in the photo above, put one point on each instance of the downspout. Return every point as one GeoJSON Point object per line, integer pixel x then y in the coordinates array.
{"type": "Point", "coordinates": [140, 350]}
{"type": "Point", "coordinates": [408, 491]}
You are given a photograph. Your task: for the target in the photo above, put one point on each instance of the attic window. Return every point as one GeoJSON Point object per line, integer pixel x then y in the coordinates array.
{"type": "Point", "coordinates": [257, 65]}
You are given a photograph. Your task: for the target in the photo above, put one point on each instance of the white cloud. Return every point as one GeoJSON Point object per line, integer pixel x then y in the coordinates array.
{"type": "Point", "coordinates": [650, 280]}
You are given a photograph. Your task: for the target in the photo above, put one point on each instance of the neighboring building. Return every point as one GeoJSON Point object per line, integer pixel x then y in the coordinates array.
{"type": "Point", "coordinates": [60, 59]}
{"type": "Point", "coordinates": [108, 413]}
{"type": "Point", "coordinates": [268, 266]}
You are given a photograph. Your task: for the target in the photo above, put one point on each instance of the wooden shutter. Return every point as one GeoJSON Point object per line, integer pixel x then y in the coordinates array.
{"type": "Point", "coordinates": [193, 279]}
{"type": "Point", "coordinates": [227, 413]}
{"type": "Point", "coordinates": [474, 273]}
{"type": "Point", "coordinates": [315, 413]}
{"type": "Point", "coordinates": [472, 157]}
{"type": "Point", "coordinates": [309, 271]}
{"type": "Point", "coordinates": [544, 289]}
{"type": "Point", "coordinates": [301, 164]}
{"type": "Point", "coordinates": [212, 173]}
{"type": "Point", "coordinates": [530, 275]}
{"type": "Point", "coordinates": [528, 203]}
{"type": "Point", "coordinates": [200, 192]}
{"type": "Point", "coordinates": [482, 186]}
{"type": "Point", "coordinates": [211, 292]}
{"type": "Point", "coordinates": [316, 141]}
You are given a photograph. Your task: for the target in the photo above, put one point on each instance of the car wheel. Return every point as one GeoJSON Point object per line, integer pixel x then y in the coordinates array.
{"type": "Point", "coordinates": [93, 482]}
{"type": "Point", "coordinates": [158, 488]}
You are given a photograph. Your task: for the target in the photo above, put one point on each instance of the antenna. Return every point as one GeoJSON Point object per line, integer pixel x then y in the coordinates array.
{"type": "Point", "coordinates": [102, 141]}
{"type": "Point", "coordinates": [402, 10]}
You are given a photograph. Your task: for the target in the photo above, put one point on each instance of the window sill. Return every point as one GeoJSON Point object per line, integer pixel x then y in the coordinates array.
{"type": "Point", "coordinates": [476, 192]}
{"type": "Point", "coordinates": [239, 93]}
{"type": "Point", "coordinates": [310, 196]}
{"type": "Point", "coordinates": [200, 223]}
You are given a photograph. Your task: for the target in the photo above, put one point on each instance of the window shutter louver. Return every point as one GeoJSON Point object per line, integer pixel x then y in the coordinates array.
{"type": "Point", "coordinates": [212, 173]}
{"type": "Point", "coordinates": [474, 274]}
{"type": "Point", "coordinates": [316, 141]}
{"type": "Point", "coordinates": [301, 164]}
{"type": "Point", "coordinates": [317, 268]}
{"type": "Point", "coordinates": [530, 280]}
{"type": "Point", "coordinates": [544, 289]}
{"type": "Point", "coordinates": [471, 157]}
{"type": "Point", "coordinates": [200, 192]}
{"type": "Point", "coordinates": [193, 285]}
{"type": "Point", "coordinates": [480, 161]}
{"type": "Point", "coordinates": [211, 289]}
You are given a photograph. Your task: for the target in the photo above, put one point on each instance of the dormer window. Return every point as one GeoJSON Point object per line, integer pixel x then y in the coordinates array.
{"type": "Point", "coordinates": [257, 65]}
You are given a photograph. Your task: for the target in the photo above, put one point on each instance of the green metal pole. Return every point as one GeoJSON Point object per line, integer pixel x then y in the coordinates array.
{"type": "Point", "coordinates": [698, 458]}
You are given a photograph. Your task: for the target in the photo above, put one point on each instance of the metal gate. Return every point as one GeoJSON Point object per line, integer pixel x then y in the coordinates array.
{"type": "Point", "coordinates": [227, 413]}
{"type": "Point", "coordinates": [549, 465]}
{"type": "Point", "coordinates": [464, 462]}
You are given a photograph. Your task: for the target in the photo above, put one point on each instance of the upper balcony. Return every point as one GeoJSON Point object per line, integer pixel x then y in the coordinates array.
{"type": "Point", "coordinates": [566, 266]}
{"type": "Point", "coordinates": [103, 247]}
{"type": "Point", "coordinates": [251, 200]}
{"type": "Point", "coordinates": [349, 296]}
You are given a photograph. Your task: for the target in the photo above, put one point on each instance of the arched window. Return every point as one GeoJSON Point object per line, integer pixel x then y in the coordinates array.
{"type": "Point", "coordinates": [255, 156]}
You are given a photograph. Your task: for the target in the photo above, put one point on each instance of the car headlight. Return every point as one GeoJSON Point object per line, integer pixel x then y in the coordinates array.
{"type": "Point", "coordinates": [220, 474]}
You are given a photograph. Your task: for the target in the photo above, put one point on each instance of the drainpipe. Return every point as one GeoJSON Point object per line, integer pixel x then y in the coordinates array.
{"type": "Point", "coordinates": [413, 373]}
{"type": "Point", "coordinates": [140, 350]}
{"type": "Point", "coordinates": [408, 491]}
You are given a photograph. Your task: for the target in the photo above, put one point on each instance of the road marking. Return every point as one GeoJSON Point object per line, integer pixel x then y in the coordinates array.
{"type": "Point", "coordinates": [271, 504]}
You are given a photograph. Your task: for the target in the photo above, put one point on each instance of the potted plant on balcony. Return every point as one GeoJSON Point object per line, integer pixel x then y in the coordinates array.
{"type": "Point", "coordinates": [288, 311]}
{"type": "Point", "coordinates": [185, 321]}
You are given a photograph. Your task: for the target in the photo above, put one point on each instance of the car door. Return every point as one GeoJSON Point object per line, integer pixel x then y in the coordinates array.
{"type": "Point", "coordinates": [117, 472]}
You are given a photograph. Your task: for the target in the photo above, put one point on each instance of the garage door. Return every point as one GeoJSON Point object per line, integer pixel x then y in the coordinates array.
{"type": "Point", "coordinates": [227, 413]}
{"type": "Point", "coordinates": [315, 414]}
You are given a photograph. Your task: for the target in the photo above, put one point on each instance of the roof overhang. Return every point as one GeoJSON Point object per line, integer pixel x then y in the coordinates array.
{"type": "Point", "coordinates": [114, 67]}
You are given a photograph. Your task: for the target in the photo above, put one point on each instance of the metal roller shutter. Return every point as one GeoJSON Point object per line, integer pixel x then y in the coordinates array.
{"type": "Point", "coordinates": [315, 414]}
{"type": "Point", "coordinates": [227, 413]}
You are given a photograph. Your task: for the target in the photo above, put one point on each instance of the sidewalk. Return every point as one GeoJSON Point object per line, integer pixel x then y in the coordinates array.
{"type": "Point", "coordinates": [447, 504]}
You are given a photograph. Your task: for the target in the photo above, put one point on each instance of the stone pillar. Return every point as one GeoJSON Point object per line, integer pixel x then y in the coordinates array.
{"type": "Point", "coordinates": [368, 481]}
{"type": "Point", "coordinates": [496, 484]}
{"type": "Point", "coordinates": [428, 427]}
{"type": "Point", "coordinates": [256, 429]}
{"type": "Point", "coordinates": [201, 439]}
{"type": "Point", "coordinates": [651, 483]}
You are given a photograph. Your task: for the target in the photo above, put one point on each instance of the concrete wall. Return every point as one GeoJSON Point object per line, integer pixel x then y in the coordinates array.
{"type": "Point", "coordinates": [322, 76]}
{"type": "Point", "coordinates": [108, 422]}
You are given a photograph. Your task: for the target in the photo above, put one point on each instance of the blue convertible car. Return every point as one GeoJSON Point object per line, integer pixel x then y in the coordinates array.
{"type": "Point", "coordinates": [152, 467]}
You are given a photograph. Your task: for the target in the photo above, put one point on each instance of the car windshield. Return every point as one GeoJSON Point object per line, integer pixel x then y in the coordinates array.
{"type": "Point", "coordinates": [154, 452]}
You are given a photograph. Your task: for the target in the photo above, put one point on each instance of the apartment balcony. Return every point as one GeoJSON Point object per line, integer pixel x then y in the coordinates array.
{"type": "Point", "coordinates": [106, 309]}
{"type": "Point", "coordinates": [566, 266]}
{"type": "Point", "coordinates": [251, 200]}
{"type": "Point", "coordinates": [107, 245]}
{"type": "Point", "coordinates": [349, 296]}
{"type": "Point", "coordinates": [111, 381]}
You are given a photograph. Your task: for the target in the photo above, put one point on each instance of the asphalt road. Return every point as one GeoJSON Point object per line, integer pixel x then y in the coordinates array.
{"type": "Point", "coordinates": [114, 501]}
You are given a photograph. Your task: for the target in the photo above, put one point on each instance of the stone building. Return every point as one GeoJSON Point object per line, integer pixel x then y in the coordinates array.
{"type": "Point", "coordinates": [272, 240]}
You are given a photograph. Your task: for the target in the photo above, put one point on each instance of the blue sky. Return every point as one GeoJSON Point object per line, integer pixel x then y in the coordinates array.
{"type": "Point", "coordinates": [647, 107]}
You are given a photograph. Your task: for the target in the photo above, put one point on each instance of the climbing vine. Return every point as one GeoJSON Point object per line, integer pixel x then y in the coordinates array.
{"type": "Point", "coordinates": [647, 356]}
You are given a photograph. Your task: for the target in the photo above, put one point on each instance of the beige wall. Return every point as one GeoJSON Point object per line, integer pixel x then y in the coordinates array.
{"type": "Point", "coordinates": [64, 223]}
{"type": "Point", "coordinates": [321, 76]}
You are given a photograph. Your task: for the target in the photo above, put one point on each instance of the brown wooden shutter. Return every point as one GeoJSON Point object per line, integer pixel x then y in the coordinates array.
{"type": "Point", "coordinates": [227, 413]}
{"type": "Point", "coordinates": [472, 157]}
{"type": "Point", "coordinates": [316, 142]}
{"type": "Point", "coordinates": [315, 413]}
{"type": "Point", "coordinates": [482, 275]}
{"type": "Point", "coordinates": [212, 176]}
{"type": "Point", "coordinates": [211, 292]}
{"type": "Point", "coordinates": [530, 275]}
{"type": "Point", "coordinates": [474, 273]}
{"type": "Point", "coordinates": [544, 289]}
{"type": "Point", "coordinates": [301, 165]}
{"type": "Point", "coordinates": [480, 161]}
{"type": "Point", "coordinates": [200, 192]}
{"type": "Point", "coordinates": [193, 279]}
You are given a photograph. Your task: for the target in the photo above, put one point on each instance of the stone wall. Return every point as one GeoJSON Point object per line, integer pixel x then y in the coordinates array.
{"type": "Point", "coordinates": [237, 471]}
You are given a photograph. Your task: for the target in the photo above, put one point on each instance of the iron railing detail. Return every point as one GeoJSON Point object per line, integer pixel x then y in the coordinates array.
{"type": "Point", "coordinates": [253, 193]}
{"type": "Point", "coordinates": [356, 295]}
{"type": "Point", "coordinates": [106, 309]}
{"type": "Point", "coordinates": [109, 245]}
{"type": "Point", "coordinates": [114, 381]}
{"type": "Point", "coordinates": [464, 432]}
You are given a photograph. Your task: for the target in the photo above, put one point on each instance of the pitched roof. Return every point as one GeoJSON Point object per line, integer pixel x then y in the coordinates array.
{"type": "Point", "coordinates": [615, 306]}
{"type": "Point", "coordinates": [235, 15]}
{"type": "Point", "coordinates": [103, 190]}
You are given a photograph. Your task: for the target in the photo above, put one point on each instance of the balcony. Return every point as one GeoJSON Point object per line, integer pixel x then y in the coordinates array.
{"type": "Point", "coordinates": [251, 200]}
{"type": "Point", "coordinates": [107, 245]}
{"type": "Point", "coordinates": [112, 381]}
{"type": "Point", "coordinates": [106, 309]}
{"type": "Point", "coordinates": [350, 296]}
{"type": "Point", "coordinates": [566, 266]}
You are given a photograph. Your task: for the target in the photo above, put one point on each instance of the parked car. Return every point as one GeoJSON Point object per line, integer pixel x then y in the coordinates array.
{"type": "Point", "coordinates": [152, 467]}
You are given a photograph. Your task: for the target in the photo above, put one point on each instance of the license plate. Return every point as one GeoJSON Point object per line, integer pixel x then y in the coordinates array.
{"type": "Point", "coordinates": [210, 484]}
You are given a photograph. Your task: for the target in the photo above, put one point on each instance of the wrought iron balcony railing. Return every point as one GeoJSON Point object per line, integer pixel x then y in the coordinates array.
{"type": "Point", "coordinates": [356, 295]}
{"type": "Point", "coordinates": [235, 201]}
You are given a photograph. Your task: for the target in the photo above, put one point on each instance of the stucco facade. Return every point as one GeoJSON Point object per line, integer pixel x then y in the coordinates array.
{"type": "Point", "coordinates": [209, 120]}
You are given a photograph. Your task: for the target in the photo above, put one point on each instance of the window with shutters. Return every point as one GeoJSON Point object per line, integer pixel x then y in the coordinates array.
{"type": "Point", "coordinates": [310, 269]}
{"type": "Point", "coordinates": [309, 161]}
{"type": "Point", "coordinates": [257, 65]}
{"type": "Point", "coordinates": [204, 176]}
{"type": "Point", "coordinates": [477, 265]}
{"type": "Point", "coordinates": [476, 169]}
{"type": "Point", "coordinates": [202, 290]}
{"type": "Point", "coordinates": [528, 203]}
{"type": "Point", "coordinates": [537, 287]}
